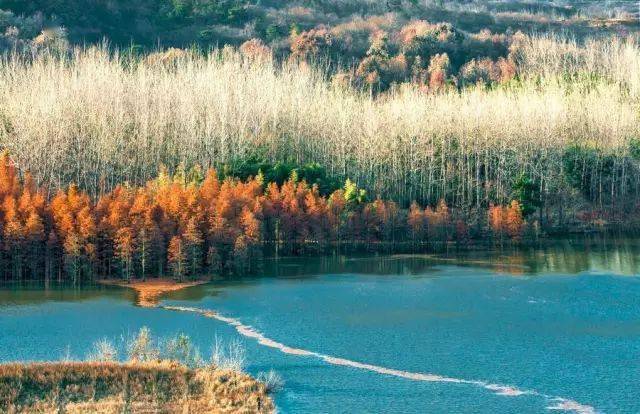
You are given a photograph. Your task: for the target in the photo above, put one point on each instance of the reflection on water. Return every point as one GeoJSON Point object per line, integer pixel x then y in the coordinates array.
{"type": "Point", "coordinates": [37, 292]}
{"type": "Point", "coordinates": [566, 257]}
{"type": "Point", "coordinates": [32, 293]}
{"type": "Point", "coordinates": [619, 256]}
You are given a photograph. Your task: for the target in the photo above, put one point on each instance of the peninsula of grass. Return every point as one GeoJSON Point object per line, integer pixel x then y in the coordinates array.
{"type": "Point", "coordinates": [149, 291]}
{"type": "Point", "coordinates": [134, 387]}
{"type": "Point", "coordinates": [160, 375]}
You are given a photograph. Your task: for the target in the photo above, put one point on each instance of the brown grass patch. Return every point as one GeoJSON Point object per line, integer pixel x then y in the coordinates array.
{"type": "Point", "coordinates": [109, 387]}
{"type": "Point", "coordinates": [149, 291]}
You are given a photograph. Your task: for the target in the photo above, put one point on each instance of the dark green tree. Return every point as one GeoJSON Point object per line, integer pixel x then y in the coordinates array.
{"type": "Point", "coordinates": [527, 192]}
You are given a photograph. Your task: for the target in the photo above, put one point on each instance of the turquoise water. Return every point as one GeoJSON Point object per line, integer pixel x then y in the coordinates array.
{"type": "Point", "coordinates": [556, 328]}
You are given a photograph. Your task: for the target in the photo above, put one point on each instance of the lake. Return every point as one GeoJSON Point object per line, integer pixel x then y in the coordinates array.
{"type": "Point", "coordinates": [548, 329]}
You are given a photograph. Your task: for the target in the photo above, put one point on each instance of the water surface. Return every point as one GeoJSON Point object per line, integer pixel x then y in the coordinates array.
{"type": "Point", "coordinates": [556, 327]}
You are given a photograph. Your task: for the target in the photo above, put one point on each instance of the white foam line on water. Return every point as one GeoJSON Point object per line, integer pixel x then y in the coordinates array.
{"type": "Point", "coordinates": [558, 403]}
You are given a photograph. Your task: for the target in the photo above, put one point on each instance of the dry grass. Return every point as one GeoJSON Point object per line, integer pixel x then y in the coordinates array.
{"type": "Point", "coordinates": [108, 387]}
{"type": "Point", "coordinates": [98, 120]}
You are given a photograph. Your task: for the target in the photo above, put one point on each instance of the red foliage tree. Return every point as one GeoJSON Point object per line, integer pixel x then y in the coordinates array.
{"type": "Point", "coordinates": [177, 257]}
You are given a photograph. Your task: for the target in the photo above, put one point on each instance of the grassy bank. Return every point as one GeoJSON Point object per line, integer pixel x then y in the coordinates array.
{"type": "Point", "coordinates": [164, 375]}
{"type": "Point", "coordinates": [110, 387]}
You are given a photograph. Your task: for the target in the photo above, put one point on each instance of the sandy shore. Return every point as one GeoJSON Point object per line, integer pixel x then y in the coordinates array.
{"type": "Point", "coordinates": [149, 291]}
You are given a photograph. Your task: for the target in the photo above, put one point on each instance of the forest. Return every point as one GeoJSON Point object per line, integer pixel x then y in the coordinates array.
{"type": "Point", "coordinates": [191, 225]}
{"type": "Point", "coordinates": [318, 124]}
{"type": "Point", "coordinates": [563, 127]}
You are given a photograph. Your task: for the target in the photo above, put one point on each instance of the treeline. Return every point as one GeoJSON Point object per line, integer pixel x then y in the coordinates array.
{"type": "Point", "coordinates": [182, 23]}
{"type": "Point", "coordinates": [568, 125]}
{"type": "Point", "coordinates": [193, 224]}
{"type": "Point", "coordinates": [364, 43]}
{"type": "Point", "coordinates": [372, 53]}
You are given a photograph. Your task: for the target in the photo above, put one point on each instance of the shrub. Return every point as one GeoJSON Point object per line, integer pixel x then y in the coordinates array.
{"type": "Point", "coordinates": [255, 49]}
{"type": "Point", "coordinates": [309, 43]}
{"type": "Point", "coordinates": [231, 356]}
{"type": "Point", "coordinates": [143, 348]}
{"type": "Point", "coordinates": [181, 349]}
{"type": "Point", "coordinates": [103, 351]}
{"type": "Point", "coordinates": [272, 381]}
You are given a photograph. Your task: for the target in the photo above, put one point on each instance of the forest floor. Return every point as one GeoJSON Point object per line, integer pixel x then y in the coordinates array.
{"type": "Point", "coordinates": [134, 387]}
{"type": "Point", "coordinates": [149, 291]}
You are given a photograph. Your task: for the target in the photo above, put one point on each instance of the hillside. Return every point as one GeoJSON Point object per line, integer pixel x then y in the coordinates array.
{"type": "Point", "coordinates": [182, 23]}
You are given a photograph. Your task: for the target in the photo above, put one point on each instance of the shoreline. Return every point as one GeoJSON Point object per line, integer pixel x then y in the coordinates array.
{"type": "Point", "coordinates": [149, 291]}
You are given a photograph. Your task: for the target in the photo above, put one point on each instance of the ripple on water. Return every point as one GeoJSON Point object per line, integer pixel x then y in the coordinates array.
{"type": "Point", "coordinates": [556, 403]}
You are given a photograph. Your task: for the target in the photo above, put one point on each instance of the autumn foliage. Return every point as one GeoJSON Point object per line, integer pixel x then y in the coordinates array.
{"type": "Point", "coordinates": [507, 220]}
{"type": "Point", "coordinates": [186, 225]}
